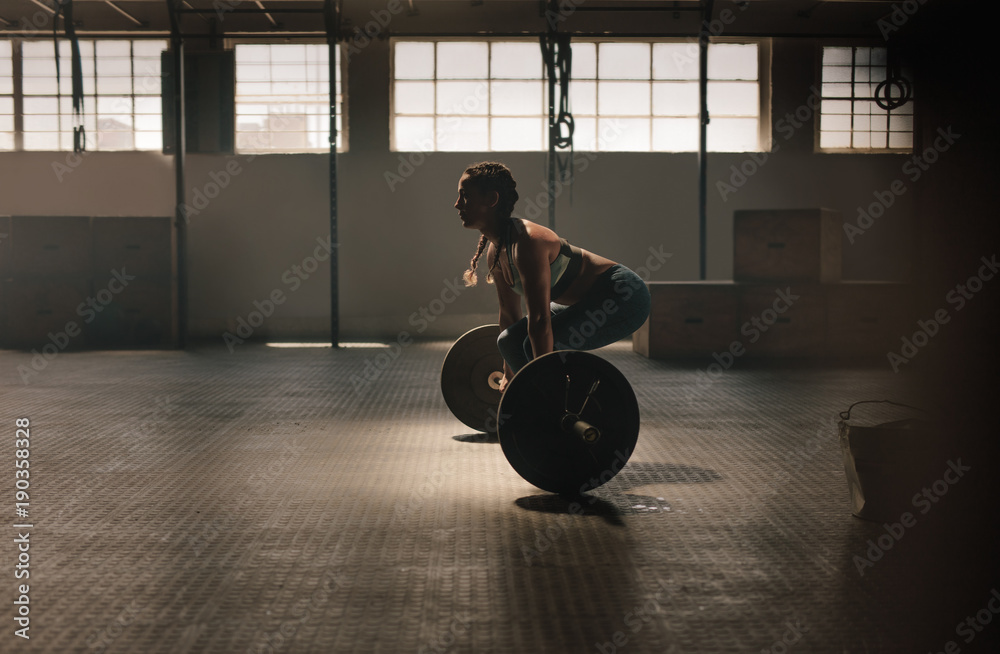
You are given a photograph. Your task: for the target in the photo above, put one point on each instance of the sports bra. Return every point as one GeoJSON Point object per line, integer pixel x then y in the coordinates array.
{"type": "Point", "coordinates": [563, 270]}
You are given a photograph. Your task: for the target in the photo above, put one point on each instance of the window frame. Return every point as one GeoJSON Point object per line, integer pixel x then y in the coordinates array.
{"type": "Point", "coordinates": [817, 123]}
{"type": "Point", "coordinates": [343, 133]}
{"type": "Point", "coordinates": [17, 60]}
{"type": "Point", "coordinates": [763, 82]}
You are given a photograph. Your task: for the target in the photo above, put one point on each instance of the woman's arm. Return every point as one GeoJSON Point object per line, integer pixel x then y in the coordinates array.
{"type": "Point", "coordinates": [532, 261]}
{"type": "Point", "coordinates": [510, 306]}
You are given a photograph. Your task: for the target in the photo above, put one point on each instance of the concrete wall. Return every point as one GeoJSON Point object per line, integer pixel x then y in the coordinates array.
{"type": "Point", "coordinates": [403, 247]}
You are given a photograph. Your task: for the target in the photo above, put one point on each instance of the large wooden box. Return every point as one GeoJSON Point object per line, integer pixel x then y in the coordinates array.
{"type": "Point", "coordinates": [782, 320]}
{"type": "Point", "coordinates": [865, 319]}
{"type": "Point", "coordinates": [139, 315]}
{"type": "Point", "coordinates": [688, 319]}
{"type": "Point", "coordinates": [140, 246]}
{"type": "Point", "coordinates": [50, 246]}
{"type": "Point", "coordinates": [37, 311]}
{"type": "Point", "coordinates": [787, 245]}
{"type": "Point", "coordinates": [5, 262]}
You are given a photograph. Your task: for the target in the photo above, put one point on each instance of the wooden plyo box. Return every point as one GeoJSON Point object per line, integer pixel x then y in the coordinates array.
{"type": "Point", "coordinates": [868, 318]}
{"type": "Point", "coordinates": [688, 319]}
{"type": "Point", "coordinates": [787, 245]}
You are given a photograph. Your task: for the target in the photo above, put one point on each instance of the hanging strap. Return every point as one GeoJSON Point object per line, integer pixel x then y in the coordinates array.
{"type": "Point", "coordinates": [846, 415]}
{"type": "Point", "coordinates": [557, 53]}
{"type": "Point", "coordinates": [64, 8]}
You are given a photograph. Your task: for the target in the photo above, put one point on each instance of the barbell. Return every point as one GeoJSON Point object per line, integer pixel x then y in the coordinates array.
{"type": "Point", "coordinates": [567, 422]}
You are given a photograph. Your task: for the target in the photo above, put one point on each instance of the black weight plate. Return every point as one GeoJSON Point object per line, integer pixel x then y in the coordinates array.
{"type": "Point", "coordinates": [535, 402]}
{"type": "Point", "coordinates": [470, 378]}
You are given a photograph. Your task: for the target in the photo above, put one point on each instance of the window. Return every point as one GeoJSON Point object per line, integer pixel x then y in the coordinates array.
{"type": "Point", "coordinates": [6, 96]}
{"type": "Point", "coordinates": [850, 119]}
{"type": "Point", "coordinates": [624, 96]}
{"type": "Point", "coordinates": [283, 98]}
{"type": "Point", "coordinates": [121, 86]}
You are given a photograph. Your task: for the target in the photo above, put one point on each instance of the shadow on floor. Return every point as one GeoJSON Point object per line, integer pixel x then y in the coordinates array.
{"type": "Point", "coordinates": [639, 473]}
{"type": "Point", "coordinates": [611, 507]}
{"type": "Point", "coordinates": [478, 437]}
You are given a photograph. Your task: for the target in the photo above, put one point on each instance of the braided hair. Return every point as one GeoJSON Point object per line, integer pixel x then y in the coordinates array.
{"type": "Point", "coordinates": [485, 177]}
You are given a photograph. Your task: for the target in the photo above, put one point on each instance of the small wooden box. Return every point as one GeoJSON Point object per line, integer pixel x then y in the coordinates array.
{"type": "Point", "coordinates": [688, 319]}
{"type": "Point", "coordinates": [782, 320]}
{"type": "Point", "coordinates": [140, 246]}
{"type": "Point", "coordinates": [868, 318]}
{"type": "Point", "coordinates": [50, 246]}
{"type": "Point", "coordinates": [787, 245]}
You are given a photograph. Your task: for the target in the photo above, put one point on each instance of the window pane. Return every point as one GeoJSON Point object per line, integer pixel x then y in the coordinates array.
{"type": "Point", "coordinates": [900, 139]}
{"type": "Point", "coordinates": [463, 133]}
{"type": "Point", "coordinates": [115, 66]}
{"type": "Point", "coordinates": [624, 60]}
{"type": "Point", "coordinates": [584, 60]}
{"type": "Point", "coordinates": [582, 98]}
{"type": "Point", "coordinates": [623, 134]}
{"type": "Point", "coordinates": [585, 134]}
{"type": "Point", "coordinates": [675, 134]}
{"type": "Point", "coordinates": [462, 98]}
{"type": "Point", "coordinates": [414, 134]}
{"type": "Point", "coordinates": [462, 60]}
{"type": "Point", "coordinates": [837, 56]}
{"type": "Point", "coordinates": [623, 98]}
{"type": "Point", "coordinates": [42, 141]}
{"type": "Point", "coordinates": [733, 135]}
{"type": "Point", "coordinates": [149, 140]}
{"type": "Point", "coordinates": [113, 85]}
{"type": "Point", "coordinates": [836, 74]}
{"type": "Point", "coordinates": [517, 134]}
{"type": "Point", "coordinates": [413, 97]}
{"type": "Point", "coordinates": [732, 61]}
{"type": "Point", "coordinates": [516, 60]}
{"type": "Point", "coordinates": [675, 61]}
{"type": "Point", "coordinates": [835, 139]}
{"type": "Point", "coordinates": [149, 123]}
{"type": "Point", "coordinates": [516, 98]}
{"type": "Point", "coordinates": [675, 98]}
{"type": "Point", "coordinates": [414, 60]}
{"type": "Point", "coordinates": [282, 97]}
{"type": "Point", "coordinates": [836, 122]}
{"type": "Point", "coordinates": [733, 98]}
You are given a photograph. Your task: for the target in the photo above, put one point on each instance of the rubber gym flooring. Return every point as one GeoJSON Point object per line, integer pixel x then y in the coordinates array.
{"type": "Point", "coordinates": [276, 500]}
